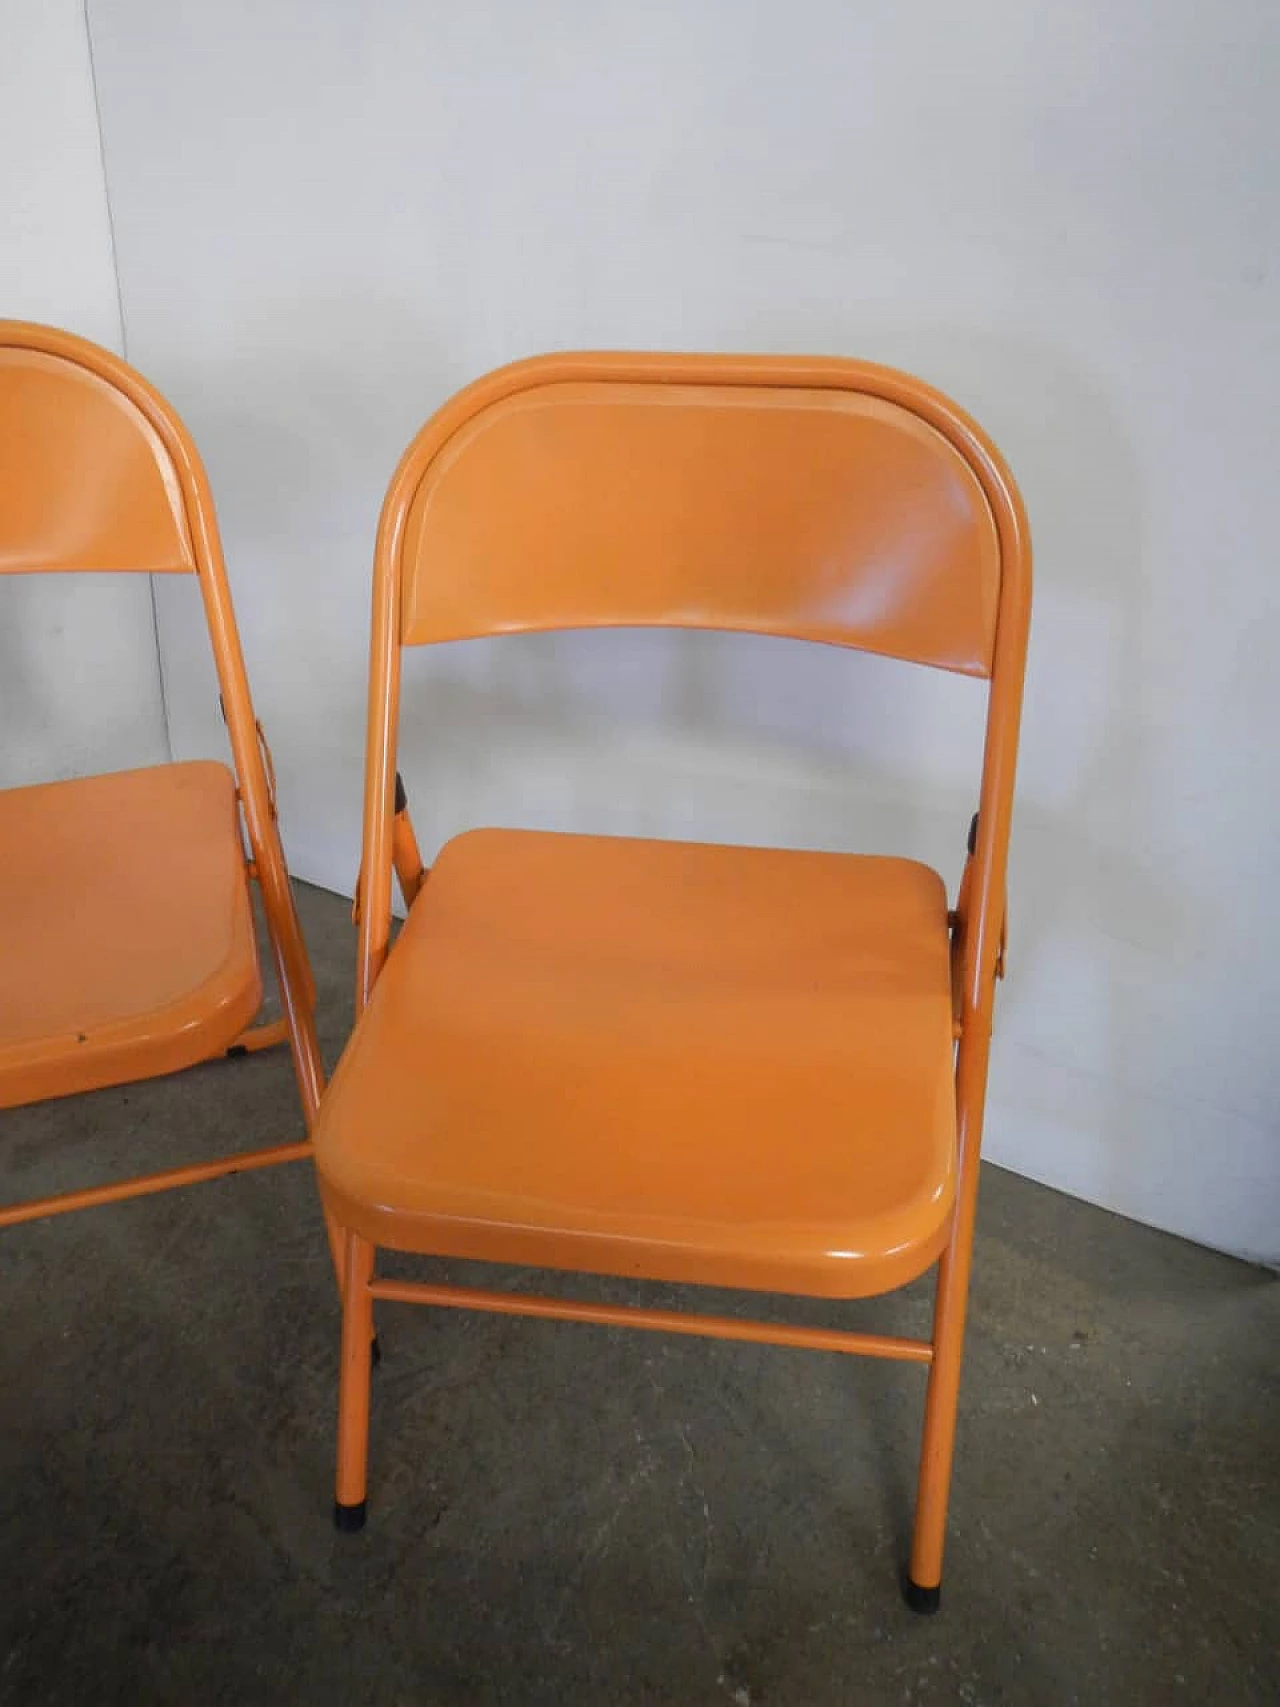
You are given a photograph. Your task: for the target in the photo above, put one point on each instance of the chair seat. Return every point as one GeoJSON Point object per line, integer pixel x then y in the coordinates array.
{"type": "Point", "coordinates": [128, 931]}
{"type": "Point", "coordinates": [731, 1066]}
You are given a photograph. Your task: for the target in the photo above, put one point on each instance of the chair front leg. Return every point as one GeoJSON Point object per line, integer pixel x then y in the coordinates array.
{"type": "Point", "coordinates": [923, 1586]}
{"type": "Point", "coordinates": [354, 1385]}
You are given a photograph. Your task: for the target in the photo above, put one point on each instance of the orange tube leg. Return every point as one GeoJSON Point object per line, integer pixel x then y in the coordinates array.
{"type": "Point", "coordinates": [924, 1581]}
{"type": "Point", "coordinates": [354, 1385]}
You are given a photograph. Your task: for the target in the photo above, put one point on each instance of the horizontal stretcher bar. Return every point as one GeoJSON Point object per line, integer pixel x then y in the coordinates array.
{"type": "Point", "coordinates": [145, 1185]}
{"type": "Point", "coordinates": [663, 1321]}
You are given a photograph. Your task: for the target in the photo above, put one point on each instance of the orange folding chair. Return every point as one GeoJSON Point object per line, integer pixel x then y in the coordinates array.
{"type": "Point", "coordinates": [726, 1066]}
{"type": "Point", "coordinates": [126, 918]}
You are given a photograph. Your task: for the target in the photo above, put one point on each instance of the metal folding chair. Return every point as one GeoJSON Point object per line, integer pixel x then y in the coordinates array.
{"type": "Point", "coordinates": [126, 916]}
{"type": "Point", "coordinates": [725, 1066]}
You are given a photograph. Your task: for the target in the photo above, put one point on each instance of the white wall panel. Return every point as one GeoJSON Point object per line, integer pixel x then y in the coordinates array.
{"type": "Point", "coordinates": [329, 216]}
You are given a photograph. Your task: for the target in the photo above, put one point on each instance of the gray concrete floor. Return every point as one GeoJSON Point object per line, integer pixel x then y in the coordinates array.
{"type": "Point", "coordinates": [566, 1514]}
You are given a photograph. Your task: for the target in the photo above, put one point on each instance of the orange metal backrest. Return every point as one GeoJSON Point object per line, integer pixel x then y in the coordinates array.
{"type": "Point", "coordinates": [810, 496]}
{"type": "Point", "coordinates": [825, 512]}
{"type": "Point", "coordinates": [87, 482]}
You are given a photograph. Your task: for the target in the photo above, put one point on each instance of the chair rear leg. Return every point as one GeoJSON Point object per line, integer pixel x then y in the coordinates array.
{"type": "Point", "coordinates": [923, 1586]}
{"type": "Point", "coordinates": [295, 980]}
{"type": "Point", "coordinates": [354, 1384]}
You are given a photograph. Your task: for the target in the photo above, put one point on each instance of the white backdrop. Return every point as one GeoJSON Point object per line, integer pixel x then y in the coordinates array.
{"type": "Point", "coordinates": [79, 675]}
{"type": "Point", "coordinates": [328, 216]}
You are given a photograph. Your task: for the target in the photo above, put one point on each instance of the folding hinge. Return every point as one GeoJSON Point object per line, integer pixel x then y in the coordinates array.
{"type": "Point", "coordinates": [1004, 922]}
{"type": "Point", "coordinates": [954, 918]}
{"type": "Point", "coordinates": [401, 805]}
{"type": "Point", "coordinates": [268, 763]}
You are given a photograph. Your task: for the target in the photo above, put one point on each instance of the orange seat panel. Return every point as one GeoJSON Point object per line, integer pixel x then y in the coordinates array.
{"type": "Point", "coordinates": [128, 931]}
{"type": "Point", "coordinates": [689, 1063]}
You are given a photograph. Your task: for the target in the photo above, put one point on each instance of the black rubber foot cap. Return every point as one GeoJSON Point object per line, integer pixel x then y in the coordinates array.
{"type": "Point", "coordinates": [348, 1518]}
{"type": "Point", "coordinates": [921, 1599]}
{"type": "Point", "coordinates": [375, 1351]}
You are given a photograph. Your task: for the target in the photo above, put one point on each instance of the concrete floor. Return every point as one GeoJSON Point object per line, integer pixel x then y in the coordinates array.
{"type": "Point", "coordinates": [565, 1514]}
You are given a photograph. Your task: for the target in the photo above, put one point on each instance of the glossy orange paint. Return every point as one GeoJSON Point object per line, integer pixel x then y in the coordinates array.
{"type": "Point", "coordinates": [548, 990]}
{"type": "Point", "coordinates": [90, 482]}
{"type": "Point", "coordinates": [407, 856]}
{"type": "Point", "coordinates": [887, 544]}
{"type": "Point", "coordinates": [112, 970]}
{"type": "Point", "coordinates": [748, 1068]}
{"type": "Point", "coordinates": [125, 909]}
